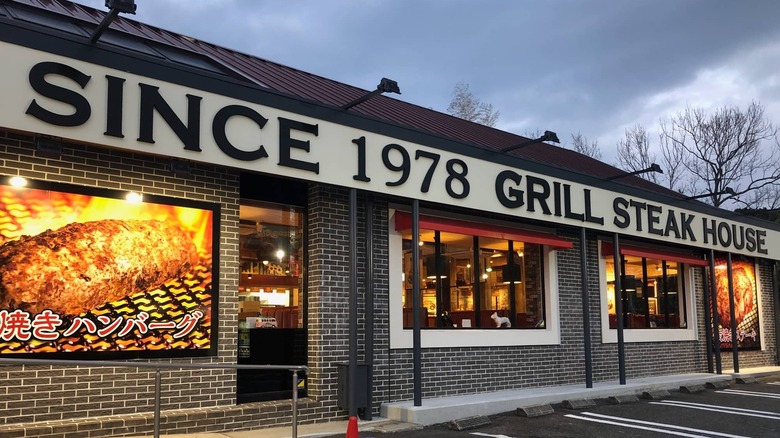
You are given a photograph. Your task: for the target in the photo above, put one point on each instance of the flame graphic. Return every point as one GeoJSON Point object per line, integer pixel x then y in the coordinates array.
{"type": "Point", "coordinates": [33, 211]}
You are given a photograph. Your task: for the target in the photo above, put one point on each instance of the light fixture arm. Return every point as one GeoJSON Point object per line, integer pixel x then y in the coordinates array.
{"type": "Point", "coordinates": [547, 136]}
{"type": "Point", "coordinates": [653, 168]}
{"type": "Point", "coordinates": [116, 6]}
{"type": "Point", "coordinates": [385, 86]}
{"type": "Point", "coordinates": [726, 191]}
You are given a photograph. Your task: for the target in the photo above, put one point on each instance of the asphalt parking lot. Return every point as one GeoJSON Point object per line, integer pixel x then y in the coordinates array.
{"type": "Point", "coordinates": [740, 410]}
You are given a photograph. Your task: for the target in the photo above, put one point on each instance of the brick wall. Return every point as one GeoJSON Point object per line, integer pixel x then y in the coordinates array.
{"type": "Point", "coordinates": [328, 290]}
{"type": "Point", "coordinates": [455, 371]}
{"type": "Point", "coordinates": [113, 401]}
{"type": "Point", "coordinates": [767, 356]}
{"type": "Point", "coordinates": [94, 401]}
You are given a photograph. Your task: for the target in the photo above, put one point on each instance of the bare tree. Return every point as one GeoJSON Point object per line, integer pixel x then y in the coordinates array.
{"type": "Point", "coordinates": [634, 152]}
{"type": "Point", "coordinates": [767, 197]}
{"type": "Point", "coordinates": [675, 175]}
{"type": "Point", "coordinates": [726, 150]}
{"type": "Point", "coordinates": [466, 106]}
{"type": "Point", "coordinates": [581, 144]}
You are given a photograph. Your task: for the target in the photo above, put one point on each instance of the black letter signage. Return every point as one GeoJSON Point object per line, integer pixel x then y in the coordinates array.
{"type": "Point", "coordinates": [81, 107]}
{"type": "Point", "coordinates": [286, 142]}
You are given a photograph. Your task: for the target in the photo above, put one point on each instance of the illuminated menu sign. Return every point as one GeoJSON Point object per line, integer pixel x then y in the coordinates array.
{"type": "Point", "coordinates": [745, 315]}
{"type": "Point", "coordinates": [87, 271]}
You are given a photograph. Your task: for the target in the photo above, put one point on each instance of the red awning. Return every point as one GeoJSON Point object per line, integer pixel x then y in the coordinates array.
{"type": "Point", "coordinates": [671, 256]}
{"type": "Point", "coordinates": [403, 221]}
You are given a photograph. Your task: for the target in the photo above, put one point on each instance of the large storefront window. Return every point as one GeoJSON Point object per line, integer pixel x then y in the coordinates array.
{"type": "Point", "coordinates": [653, 293]}
{"type": "Point", "coordinates": [656, 294]}
{"type": "Point", "coordinates": [469, 281]}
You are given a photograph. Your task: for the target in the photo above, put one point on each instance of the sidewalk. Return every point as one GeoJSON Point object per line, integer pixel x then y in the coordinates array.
{"type": "Point", "coordinates": [304, 430]}
{"type": "Point", "coordinates": [405, 416]}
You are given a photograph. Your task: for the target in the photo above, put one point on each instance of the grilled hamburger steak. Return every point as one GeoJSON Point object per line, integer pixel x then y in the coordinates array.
{"type": "Point", "coordinates": [743, 296]}
{"type": "Point", "coordinates": [84, 265]}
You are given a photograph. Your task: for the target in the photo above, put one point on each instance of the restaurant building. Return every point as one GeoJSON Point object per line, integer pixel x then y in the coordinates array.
{"type": "Point", "coordinates": [166, 200]}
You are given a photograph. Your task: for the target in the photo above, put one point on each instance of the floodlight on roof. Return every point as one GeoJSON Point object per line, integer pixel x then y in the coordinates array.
{"type": "Point", "coordinates": [385, 86]}
{"type": "Point", "coordinates": [547, 136]}
{"type": "Point", "coordinates": [653, 168]}
{"type": "Point", "coordinates": [115, 6]}
{"type": "Point", "coordinates": [726, 191]}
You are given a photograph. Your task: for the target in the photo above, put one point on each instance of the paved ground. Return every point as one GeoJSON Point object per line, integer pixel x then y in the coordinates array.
{"type": "Point", "coordinates": [461, 407]}
{"type": "Point", "coordinates": [738, 411]}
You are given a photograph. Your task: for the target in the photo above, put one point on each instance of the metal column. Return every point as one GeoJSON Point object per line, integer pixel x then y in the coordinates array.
{"type": "Point", "coordinates": [732, 312]}
{"type": "Point", "coordinates": [619, 307]}
{"type": "Point", "coordinates": [707, 321]}
{"type": "Point", "coordinates": [715, 319]}
{"type": "Point", "coordinates": [369, 306]}
{"type": "Point", "coordinates": [585, 308]}
{"type": "Point", "coordinates": [353, 311]}
{"type": "Point", "coordinates": [416, 301]}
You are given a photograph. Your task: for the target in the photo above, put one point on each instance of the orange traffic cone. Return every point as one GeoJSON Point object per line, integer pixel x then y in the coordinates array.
{"type": "Point", "coordinates": [352, 429]}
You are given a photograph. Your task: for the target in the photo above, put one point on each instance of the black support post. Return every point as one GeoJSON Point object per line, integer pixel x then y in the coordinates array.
{"type": "Point", "coordinates": [619, 308]}
{"type": "Point", "coordinates": [732, 312]}
{"type": "Point", "coordinates": [368, 415]}
{"type": "Point", "coordinates": [715, 320]}
{"type": "Point", "coordinates": [707, 320]}
{"type": "Point", "coordinates": [417, 300]}
{"type": "Point", "coordinates": [353, 344]}
{"type": "Point", "coordinates": [585, 308]}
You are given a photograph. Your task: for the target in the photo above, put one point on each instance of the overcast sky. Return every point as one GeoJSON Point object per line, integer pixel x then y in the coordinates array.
{"type": "Point", "coordinates": [589, 66]}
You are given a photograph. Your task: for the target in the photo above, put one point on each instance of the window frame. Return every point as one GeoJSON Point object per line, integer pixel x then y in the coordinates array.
{"type": "Point", "coordinates": [473, 337]}
{"type": "Point", "coordinates": [688, 333]}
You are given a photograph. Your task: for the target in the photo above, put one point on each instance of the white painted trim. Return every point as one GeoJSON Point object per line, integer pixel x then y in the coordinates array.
{"type": "Point", "coordinates": [432, 338]}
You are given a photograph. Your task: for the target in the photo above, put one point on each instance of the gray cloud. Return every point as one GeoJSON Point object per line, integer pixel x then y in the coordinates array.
{"type": "Point", "coordinates": [567, 65]}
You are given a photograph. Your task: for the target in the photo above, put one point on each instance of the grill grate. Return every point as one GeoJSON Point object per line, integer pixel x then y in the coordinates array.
{"type": "Point", "coordinates": [170, 302]}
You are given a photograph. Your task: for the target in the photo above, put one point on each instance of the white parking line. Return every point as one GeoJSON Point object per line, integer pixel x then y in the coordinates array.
{"type": "Point", "coordinates": [750, 393]}
{"type": "Point", "coordinates": [669, 429]}
{"type": "Point", "coordinates": [487, 434]}
{"type": "Point", "coordinates": [722, 409]}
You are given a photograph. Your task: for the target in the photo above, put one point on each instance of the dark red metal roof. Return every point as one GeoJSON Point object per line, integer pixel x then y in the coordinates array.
{"type": "Point", "coordinates": [291, 81]}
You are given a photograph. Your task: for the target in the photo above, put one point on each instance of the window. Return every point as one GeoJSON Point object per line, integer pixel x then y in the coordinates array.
{"type": "Point", "coordinates": [469, 271]}
{"type": "Point", "coordinates": [653, 293]}
{"type": "Point", "coordinates": [271, 249]}
{"type": "Point", "coordinates": [656, 293]}
{"type": "Point", "coordinates": [469, 280]}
